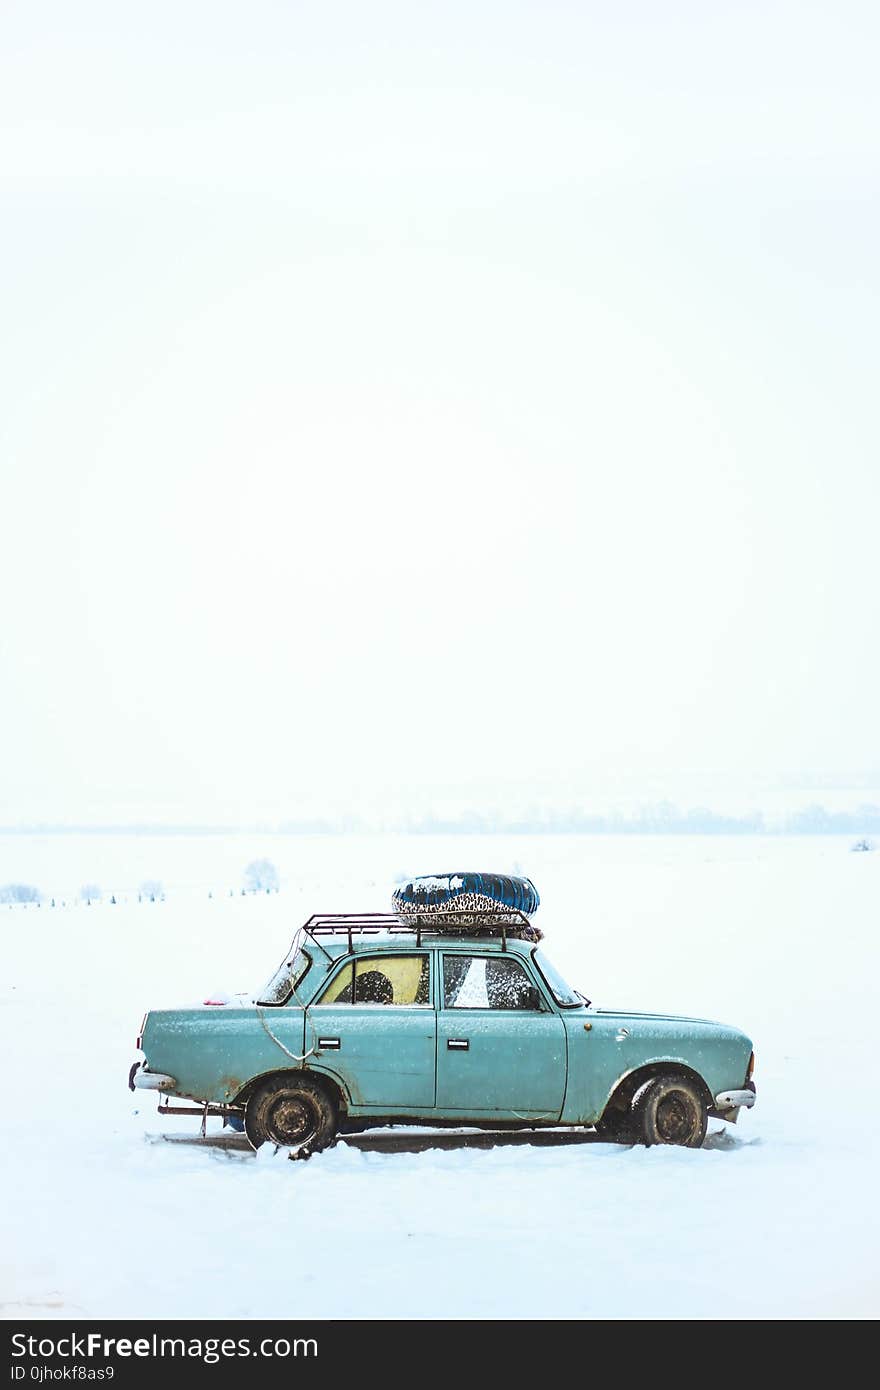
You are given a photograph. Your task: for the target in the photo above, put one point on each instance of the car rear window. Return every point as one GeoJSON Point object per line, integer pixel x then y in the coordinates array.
{"type": "Point", "coordinates": [288, 975]}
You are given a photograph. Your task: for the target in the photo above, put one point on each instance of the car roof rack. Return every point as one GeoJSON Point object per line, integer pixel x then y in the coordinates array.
{"type": "Point", "coordinates": [503, 922]}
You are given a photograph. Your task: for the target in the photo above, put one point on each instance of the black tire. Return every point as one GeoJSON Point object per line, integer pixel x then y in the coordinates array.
{"type": "Point", "coordinates": [670, 1110]}
{"type": "Point", "coordinates": [442, 892]}
{"type": "Point", "coordinates": [292, 1112]}
{"type": "Point", "coordinates": [615, 1126]}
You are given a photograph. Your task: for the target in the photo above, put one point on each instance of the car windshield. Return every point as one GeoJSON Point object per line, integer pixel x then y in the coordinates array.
{"type": "Point", "coordinates": [288, 975]}
{"type": "Point", "coordinates": [562, 992]}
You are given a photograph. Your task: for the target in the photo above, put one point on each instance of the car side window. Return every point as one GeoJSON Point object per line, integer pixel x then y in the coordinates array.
{"type": "Point", "coordinates": [381, 980]}
{"type": "Point", "coordinates": [488, 982]}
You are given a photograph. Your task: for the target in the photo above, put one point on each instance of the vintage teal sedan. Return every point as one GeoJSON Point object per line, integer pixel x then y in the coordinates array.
{"type": "Point", "coordinates": [369, 1021]}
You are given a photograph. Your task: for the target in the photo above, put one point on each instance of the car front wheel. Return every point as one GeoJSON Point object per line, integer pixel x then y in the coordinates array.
{"type": "Point", "coordinates": [615, 1126]}
{"type": "Point", "coordinates": [669, 1110]}
{"type": "Point", "coordinates": [292, 1113]}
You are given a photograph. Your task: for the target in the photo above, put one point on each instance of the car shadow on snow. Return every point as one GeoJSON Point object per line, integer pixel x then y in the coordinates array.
{"type": "Point", "coordinates": [726, 1141]}
{"type": "Point", "coordinates": [415, 1141]}
{"type": "Point", "coordinates": [399, 1141]}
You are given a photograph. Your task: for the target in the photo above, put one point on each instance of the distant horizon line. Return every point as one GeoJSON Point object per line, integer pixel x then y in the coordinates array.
{"type": "Point", "coordinates": [662, 819]}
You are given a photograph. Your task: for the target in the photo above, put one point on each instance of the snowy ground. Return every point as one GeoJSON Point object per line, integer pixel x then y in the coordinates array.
{"type": "Point", "coordinates": [777, 1217]}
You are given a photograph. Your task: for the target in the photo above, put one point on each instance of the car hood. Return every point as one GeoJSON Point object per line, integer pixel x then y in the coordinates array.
{"type": "Point", "coordinates": [638, 1015]}
{"type": "Point", "coordinates": [671, 1025]}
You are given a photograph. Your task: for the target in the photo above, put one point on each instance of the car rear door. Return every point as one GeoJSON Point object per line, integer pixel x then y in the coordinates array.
{"type": "Point", "coordinates": [375, 1027]}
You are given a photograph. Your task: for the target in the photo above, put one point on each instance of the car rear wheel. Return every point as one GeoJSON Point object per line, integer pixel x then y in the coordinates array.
{"type": "Point", "coordinates": [670, 1110]}
{"type": "Point", "coordinates": [290, 1112]}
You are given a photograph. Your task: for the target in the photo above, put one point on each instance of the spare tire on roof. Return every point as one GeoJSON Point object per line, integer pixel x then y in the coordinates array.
{"type": "Point", "coordinates": [466, 900]}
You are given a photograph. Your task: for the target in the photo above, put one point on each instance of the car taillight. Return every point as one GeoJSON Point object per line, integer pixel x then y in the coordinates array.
{"type": "Point", "coordinates": [750, 1068]}
{"type": "Point", "coordinates": [140, 1037]}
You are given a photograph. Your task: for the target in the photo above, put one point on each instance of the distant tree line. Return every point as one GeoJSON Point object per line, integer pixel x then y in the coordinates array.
{"type": "Point", "coordinates": [662, 818]}
{"type": "Point", "coordinates": [19, 893]}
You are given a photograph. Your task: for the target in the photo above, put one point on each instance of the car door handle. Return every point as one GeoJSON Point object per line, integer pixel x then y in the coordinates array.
{"type": "Point", "coordinates": [457, 1044]}
{"type": "Point", "coordinates": [330, 1044]}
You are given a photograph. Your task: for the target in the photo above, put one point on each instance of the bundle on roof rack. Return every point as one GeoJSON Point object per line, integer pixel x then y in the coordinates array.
{"type": "Point", "coordinates": [469, 901]}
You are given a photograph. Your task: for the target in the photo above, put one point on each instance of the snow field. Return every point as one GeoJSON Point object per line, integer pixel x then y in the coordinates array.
{"type": "Point", "coordinates": [773, 1218]}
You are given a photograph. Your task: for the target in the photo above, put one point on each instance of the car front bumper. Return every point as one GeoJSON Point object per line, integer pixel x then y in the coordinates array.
{"type": "Point", "coordinates": [729, 1103]}
{"type": "Point", "coordinates": [140, 1078]}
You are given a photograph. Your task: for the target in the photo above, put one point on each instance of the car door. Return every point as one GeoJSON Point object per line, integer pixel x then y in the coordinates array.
{"type": "Point", "coordinates": [375, 1027]}
{"type": "Point", "coordinates": [501, 1047]}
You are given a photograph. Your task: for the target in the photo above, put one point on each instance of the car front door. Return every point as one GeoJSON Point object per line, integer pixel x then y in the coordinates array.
{"type": "Point", "coordinates": [501, 1048]}
{"type": "Point", "coordinates": [375, 1027]}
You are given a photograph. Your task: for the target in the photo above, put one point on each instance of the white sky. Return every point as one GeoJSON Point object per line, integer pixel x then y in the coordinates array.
{"type": "Point", "coordinates": [406, 402]}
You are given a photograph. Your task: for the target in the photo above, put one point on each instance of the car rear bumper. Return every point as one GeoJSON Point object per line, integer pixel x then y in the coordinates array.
{"type": "Point", "coordinates": [140, 1078]}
